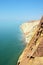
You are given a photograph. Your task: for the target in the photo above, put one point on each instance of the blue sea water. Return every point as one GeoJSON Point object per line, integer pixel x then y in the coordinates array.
{"type": "Point", "coordinates": [11, 44]}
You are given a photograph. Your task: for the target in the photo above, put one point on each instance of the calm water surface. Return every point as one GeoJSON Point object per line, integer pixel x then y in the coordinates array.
{"type": "Point", "coordinates": [11, 45]}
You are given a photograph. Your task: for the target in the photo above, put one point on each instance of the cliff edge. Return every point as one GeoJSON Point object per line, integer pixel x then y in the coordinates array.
{"type": "Point", "coordinates": [33, 53]}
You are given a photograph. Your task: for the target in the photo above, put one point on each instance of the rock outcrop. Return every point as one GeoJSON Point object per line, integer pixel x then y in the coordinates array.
{"type": "Point", "coordinates": [33, 53]}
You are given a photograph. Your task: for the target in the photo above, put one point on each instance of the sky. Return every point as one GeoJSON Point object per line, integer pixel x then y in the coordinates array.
{"type": "Point", "coordinates": [21, 10]}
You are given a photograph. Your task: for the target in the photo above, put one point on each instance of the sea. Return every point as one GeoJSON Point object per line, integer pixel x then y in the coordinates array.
{"type": "Point", "coordinates": [11, 42]}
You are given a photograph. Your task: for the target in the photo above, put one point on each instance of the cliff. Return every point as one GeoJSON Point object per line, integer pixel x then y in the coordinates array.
{"type": "Point", "coordinates": [33, 53]}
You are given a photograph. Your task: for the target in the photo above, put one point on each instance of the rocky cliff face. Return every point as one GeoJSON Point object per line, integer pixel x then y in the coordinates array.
{"type": "Point", "coordinates": [33, 32]}
{"type": "Point", "coordinates": [28, 29]}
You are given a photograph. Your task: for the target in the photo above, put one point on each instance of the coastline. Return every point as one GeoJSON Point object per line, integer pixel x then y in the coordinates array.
{"type": "Point", "coordinates": [23, 59]}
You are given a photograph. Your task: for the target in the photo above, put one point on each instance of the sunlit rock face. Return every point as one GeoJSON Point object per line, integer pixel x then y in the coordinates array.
{"type": "Point", "coordinates": [29, 29]}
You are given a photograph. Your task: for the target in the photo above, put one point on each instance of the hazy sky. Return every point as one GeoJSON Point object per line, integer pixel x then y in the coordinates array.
{"type": "Point", "coordinates": [21, 9]}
